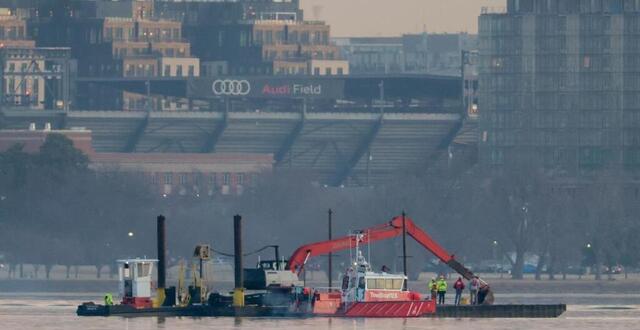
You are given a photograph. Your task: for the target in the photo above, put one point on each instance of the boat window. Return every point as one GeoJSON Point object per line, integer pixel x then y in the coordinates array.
{"type": "Point", "coordinates": [143, 270]}
{"type": "Point", "coordinates": [380, 283]}
{"type": "Point", "coordinates": [398, 284]}
{"type": "Point", "coordinates": [371, 283]}
{"type": "Point", "coordinates": [345, 282]}
{"type": "Point", "coordinates": [388, 284]}
{"type": "Point", "coordinates": [353, 283]}
{"type": "Point", "coordinates": [361, 283]}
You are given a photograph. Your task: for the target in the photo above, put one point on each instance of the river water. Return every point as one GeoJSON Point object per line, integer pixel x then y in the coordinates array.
{"type": "Point", "coordinates": [57, 311]}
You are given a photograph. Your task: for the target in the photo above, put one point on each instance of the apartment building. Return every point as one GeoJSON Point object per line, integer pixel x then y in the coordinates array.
{"type": "Point", "coordinates": [560, 84]}
{"type": "Point", "coordinates": [30, 77]}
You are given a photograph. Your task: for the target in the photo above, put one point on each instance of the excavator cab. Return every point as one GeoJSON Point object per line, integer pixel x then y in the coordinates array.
{"type": "Point", "coordinates": [270, 274]}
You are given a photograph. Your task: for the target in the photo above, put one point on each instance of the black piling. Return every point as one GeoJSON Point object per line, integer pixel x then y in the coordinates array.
{"type": "Point", "coordinates": [237, 248]}
{"type": "Point", "coordinates": [162, 252]}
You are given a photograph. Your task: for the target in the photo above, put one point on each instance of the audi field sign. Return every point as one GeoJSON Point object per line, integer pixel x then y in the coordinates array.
{"type": "Point", "coordinates": [229, 87]}
{"type": "Point", "coordinates": [266, 87]}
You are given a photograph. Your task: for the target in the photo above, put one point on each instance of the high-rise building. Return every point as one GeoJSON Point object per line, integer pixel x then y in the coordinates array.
{"type": "Point", "coordinates": [560, 84]}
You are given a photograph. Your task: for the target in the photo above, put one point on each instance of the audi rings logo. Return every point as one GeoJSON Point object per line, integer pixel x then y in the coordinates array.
{"type": "Point", "coordinates": [231, 87]}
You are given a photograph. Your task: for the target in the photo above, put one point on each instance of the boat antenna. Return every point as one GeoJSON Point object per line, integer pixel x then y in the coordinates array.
{"type": "Point", "coordinates": [369, 246]}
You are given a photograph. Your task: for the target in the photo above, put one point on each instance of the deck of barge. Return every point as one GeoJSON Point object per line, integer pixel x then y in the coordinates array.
{"type": "Point", "coordinates": [482, 311]}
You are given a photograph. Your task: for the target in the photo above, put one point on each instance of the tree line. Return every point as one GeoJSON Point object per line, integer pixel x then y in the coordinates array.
{"type": "Point", "coordinates": [56, 210]}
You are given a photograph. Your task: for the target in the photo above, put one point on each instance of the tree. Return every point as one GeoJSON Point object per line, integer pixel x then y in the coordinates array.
{"type": "Point", "coordinates": [511, 204]}
{"type": "Point", "coordinates": [58, 157]}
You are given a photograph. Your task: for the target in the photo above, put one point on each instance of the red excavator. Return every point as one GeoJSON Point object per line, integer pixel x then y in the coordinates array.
{"type": "Point", "coordinates": [392, 229]}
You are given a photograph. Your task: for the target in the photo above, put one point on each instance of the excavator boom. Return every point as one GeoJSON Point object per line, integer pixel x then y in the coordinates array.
{"type": "Point", "coordinates": [392, 229]}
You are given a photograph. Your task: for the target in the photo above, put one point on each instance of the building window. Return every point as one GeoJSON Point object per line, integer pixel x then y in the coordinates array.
{"type": "Point", "coordinates": [23, 67]}
{"type": "Point", "coordinates": [316, 71]}
{"type": "Point", "coordinates": [192, 70]}
{"type": "Point", "coordinates": [268, 38]}
{"type": "Point", "coordinates": [212, 180]}
{"type": "Point", "coordinates": [179, 70]}
{"type": "Point", "coordinates": [244, 39]}
{"type": "Point", "coordinates": [12, 67]}
{"type": "Point", "coordinates": [220, 39]}
{"type": "Point", "coordinates": [340, 71]}
{"type": "Point", "coordinates": [167, 70]}
{"type": "Point", "coordinates": [12, 86]}
{"type": "Point", "coordinates": [168, 178]}
{"type": "Point", "coordinates": [131, 70]}
{"type": "Point", "coordinates": [240, 179]}
{"type": "Point", "coordinates": [23, 86]}
{"type": "Point", "coordinates": [226, 179]}
{"type": "Point", "coordinates": [327, 71]}
{"type": "Point", "coordinates": [183, 179]}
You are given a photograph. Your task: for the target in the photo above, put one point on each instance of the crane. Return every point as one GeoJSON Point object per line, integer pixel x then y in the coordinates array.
{"type": "Point", "coordinates": [391, 229]}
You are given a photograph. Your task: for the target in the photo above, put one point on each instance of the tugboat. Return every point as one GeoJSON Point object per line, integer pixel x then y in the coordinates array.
{"type": "Point", "coordinates": [365, 293]}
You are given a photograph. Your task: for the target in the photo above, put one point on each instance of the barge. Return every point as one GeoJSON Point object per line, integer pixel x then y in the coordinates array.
{"type": "Point", "coordinates": [278, 292]}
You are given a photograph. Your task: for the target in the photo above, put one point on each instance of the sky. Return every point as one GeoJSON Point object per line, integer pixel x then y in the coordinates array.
{"type": "Point", "coordinates": [395, 17]}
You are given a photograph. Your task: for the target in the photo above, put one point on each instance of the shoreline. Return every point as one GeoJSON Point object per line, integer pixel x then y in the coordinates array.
{"type": "Point", "coordinates": [504, 286]}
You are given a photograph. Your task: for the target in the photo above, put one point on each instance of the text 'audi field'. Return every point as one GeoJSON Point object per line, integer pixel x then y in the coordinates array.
{"type": "Point", "coordinates": [292, 90]}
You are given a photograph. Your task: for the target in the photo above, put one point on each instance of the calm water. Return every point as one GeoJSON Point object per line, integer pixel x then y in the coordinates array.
{"type": "Point", "coordinates": [57, 311]}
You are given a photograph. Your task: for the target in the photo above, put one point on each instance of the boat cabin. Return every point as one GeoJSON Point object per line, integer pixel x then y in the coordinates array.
{"type": "Point", "coordinates": [360, 284]}
{"type": "Point", "coordinates": [135, 281]}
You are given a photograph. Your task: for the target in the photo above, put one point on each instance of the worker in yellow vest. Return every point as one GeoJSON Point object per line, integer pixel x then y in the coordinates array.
{"type": "Point", "coordinates": [108, 299]}
{"type": "Point", "coordinates": [433, 288]}
{"type": "Point", "coordinates": [442, 289]}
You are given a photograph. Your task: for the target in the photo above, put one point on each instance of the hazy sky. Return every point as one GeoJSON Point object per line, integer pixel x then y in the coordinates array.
{"type": "Point", "coordinates": [394, 17]}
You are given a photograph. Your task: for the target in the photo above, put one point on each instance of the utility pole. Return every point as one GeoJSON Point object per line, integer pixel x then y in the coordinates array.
{"type": "Point", "coordinates": [404, 247]}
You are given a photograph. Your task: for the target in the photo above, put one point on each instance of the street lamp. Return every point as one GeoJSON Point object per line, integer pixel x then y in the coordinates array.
{"type": "Point", "coordinates": [588, 245]}
{"type": "Point", "coordinates": [130, 234]}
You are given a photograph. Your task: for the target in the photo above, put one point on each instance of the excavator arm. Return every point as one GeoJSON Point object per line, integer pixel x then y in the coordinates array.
{"type": "Point", "coordinates": [392, 229]}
